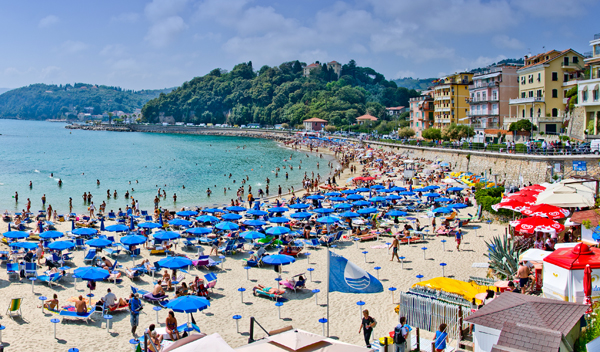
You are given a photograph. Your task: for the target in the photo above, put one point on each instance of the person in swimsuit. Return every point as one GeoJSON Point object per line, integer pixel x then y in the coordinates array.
{"type": "Point", "coordinates": [172, 326]}
{"type": "Point", "coordinates": [394, 247]}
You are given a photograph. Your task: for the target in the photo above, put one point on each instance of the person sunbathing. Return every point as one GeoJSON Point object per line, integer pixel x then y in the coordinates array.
{"type": "Point", "coordinates": [166, 278]}
{"type": "Point", "coordinates": [81, 306]}
{"type": "Point", "coordinates": [106, 263]}
{"type": "Point", "coordinates": [158, 290]}
{"type": "Point", "coordinates": [155, 338]}
{"type": "Point", "coordinates": [51, 304]}
{"type": "Point", "coordinates": [257, 255]}
{"type": "Point", "coordinates": [269, 290]}
{"type": "Point", "coordinates": [182, 291]}
{"type": "Point", "coordinates": [171, 323]}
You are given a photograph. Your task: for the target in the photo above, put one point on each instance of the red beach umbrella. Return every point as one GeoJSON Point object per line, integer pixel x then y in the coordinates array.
{"type": "Point", "coordinates": [510, 204]}
{"type": "Point", "coordinates": [535, 224]}
{"type": "Point", "coordinates": [546, 210]}
{"type": "Point", "coordinates": [587, 285]}
{"type": "Point", "coordinates": [525, 198]}
{"type": "Point", "coordinates": [536, 188]}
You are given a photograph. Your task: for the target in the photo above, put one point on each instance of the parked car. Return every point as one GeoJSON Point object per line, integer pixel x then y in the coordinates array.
{"type": "Point", "coordinates": [595, 146]}
{"type": "Point", "coordinates": [583, 148]}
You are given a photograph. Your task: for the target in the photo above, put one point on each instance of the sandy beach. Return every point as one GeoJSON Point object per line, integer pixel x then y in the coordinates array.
{"type": "Point", "coordinates": [300, 310]}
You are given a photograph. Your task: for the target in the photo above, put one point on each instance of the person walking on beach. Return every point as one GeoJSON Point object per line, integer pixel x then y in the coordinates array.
{"type": "Point", "coordinates": [458, 237]}
{"type": "Point", "coordinates": [400, 333]}
{"type": "Point", "coordinates": [135, 306]}
{"type": "Point", "coordinates": [395, 244]}
{"type": "Point", "coordinates": [70, 205]}
{"type": "Point", "coordinates": [43, 201]}
{"type": "Point", "coordinates": [367, 325]}
{"type": "Point", "coordinates": [279, 191]}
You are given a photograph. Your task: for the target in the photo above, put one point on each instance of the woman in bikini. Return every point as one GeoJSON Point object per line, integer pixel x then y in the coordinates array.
{"type": "Point", "coordinates": [172, 326]}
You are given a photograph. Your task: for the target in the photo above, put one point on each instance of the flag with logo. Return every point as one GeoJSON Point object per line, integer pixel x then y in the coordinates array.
{"type": "Point", "coordinates": [347, 277]}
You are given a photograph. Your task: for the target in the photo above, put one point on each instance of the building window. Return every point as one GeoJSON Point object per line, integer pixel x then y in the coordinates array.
{"type": "Point", "coordinates": [555, 112]}
{"type": "Point", "coordinates": [539, 93]}
{"type": "Point", "coordinates": [554, 76]}
{"type": "Point", "coordinates": [539, 112]}
{"type": "Point", "coordinates": [495, 95]}
{"type": "Point", "coordinates": [564, 93]}
{"type": "Point", "coordinates": [522, 79]}
{"type": "Point", "coordinates": [585, 95]}
{"type": "Point", "coordinates": [554, 93]}
{"type": "Point", "coordinates": [522, 94]}
{"type": "Point", "coordinates": [530, 112]}
{"type": "Point", "coordinates": [595, 95]}
{"type": "Point", "coordinates": [483, 96]}
{"type": "Point", "coordinates": [575, 59]}
{"type": "Point", "coordinates": [523, 113]}
{"type": "Point", "coordinates": [539, 79]}
{"type": "Point", "coordinates": [530, 78]}
{"type": "Point", "coordinates": [531, 94]}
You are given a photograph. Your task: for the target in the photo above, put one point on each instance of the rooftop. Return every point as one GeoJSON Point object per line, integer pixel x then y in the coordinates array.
{"type": "Point", "coordinates": [395, 108]}
{"type": "Point", "coordinates": [367, 117]}
{"type": "Point", "coordinates": [315, 119]}
{"type": "Point", "coordinates": [528, 338]}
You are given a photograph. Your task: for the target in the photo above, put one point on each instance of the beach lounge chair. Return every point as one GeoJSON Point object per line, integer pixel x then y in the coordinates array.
{"type": "Point", "coordinates": [111, 215]}
{"type": "Point", "coordinates": [205, 261]}
{"type": "Point", "coordinates": [329, 240]}
{"type": "Point", "coordinates": [367, 237]}
{"type": "Point", "coordinates": [271, 292]}
{"type": "Point", "coordinates": [14, 308]}
{"type": "Point", "coordinates": [12, 269]}
{"type": "Point", "coordinates": [67, 256]}
{"type": "Point", "coordinates": [312, 243]}
{"type": "Point", "coordinates": [30, 269]}
{"type": "Point", "coordinates": [79, 243]}
{"type": "Point", "coordinates": [113, 252]}
{"type": "Point", "coordinates": [294, 284]}
{"type": "Point", "coordinates": [211, 281]}
{"type": "Point", "coordinates": [134, 273]}
{"type": "Point", "coordinates": [69, 314]}
{"type": "Point", "coordinates": [50, 279]}
{"type": "Point", "coordinates": [90, 255]}
{"type": "Point", "coordinates": [147, 296]}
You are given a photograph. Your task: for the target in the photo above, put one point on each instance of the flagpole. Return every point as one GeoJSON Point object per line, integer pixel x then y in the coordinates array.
{"type": "Point", "coordinates": [328, 275]}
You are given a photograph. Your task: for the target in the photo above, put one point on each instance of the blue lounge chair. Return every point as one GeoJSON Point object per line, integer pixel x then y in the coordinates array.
{"type": "Point", "coordinates": [67, 256]}
{"type": "Point", "coordinates": [211, 281]}
{"type": "Point", "coordinates": [12, 269]}
{"type": "Point", "coordinates": [144, 212]}
{"type": "Point", "coordinates": [30, 269]}
{"type": "Point", "coordinates": [112, 215]}
{"type": "Point", "coordinates": [79, 243]}
{"type": "Point", "coordinates": [68, 314]}
{"type": "Point", "coordinates": [312, 243]}
{"type": "Point", "coordinates": [50, 279]}
{"type": "Point", "coordinates": [90, 255]}
{"type": "Point", "coordinates": [113, 252]}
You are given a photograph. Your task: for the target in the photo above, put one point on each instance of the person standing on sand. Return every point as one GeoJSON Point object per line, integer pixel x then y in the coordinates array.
{"type": "Point", "coordinates": [43, 201]}
{"type": "Point", "coordinates": [458, 237]}
{"type": "Point", "coordinates": [279, 191]}
{"type": "Point", "coordinates": [367, 324]}
{"type": "Point", "coordinates": [395, 244]}
{"type": "Point", "coordinates": [28, 205]}
{"type": "Point", "coordinates": [135, 306]}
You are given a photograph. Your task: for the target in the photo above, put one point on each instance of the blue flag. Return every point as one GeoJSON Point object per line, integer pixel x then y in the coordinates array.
{"type": "Point", "coordinates": [347, 277]}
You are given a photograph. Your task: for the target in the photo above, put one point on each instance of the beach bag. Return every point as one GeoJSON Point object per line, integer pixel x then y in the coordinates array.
{"type": "Point", "coordinates": [398, 338]}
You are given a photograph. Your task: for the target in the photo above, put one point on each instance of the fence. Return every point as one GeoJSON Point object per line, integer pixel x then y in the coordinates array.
{"type": "Point", "coordinates": [427, 313]}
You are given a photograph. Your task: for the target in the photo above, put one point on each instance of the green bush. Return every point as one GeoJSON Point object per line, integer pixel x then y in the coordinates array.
{"type": "Point", "coordinates": [412, 142]}
{"type": "Point", "coordinates": [487, 197]}
{"type": "Point", "coordinates": [446, 144]}
{"type": "Point", "coordinates": [521, 148]}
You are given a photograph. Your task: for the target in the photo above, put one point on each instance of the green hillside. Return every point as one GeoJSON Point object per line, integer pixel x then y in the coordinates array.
{"type": "Point", "coordinates": [414, 83]}
{"type": "Point", "coordinates": [279, 94]}
{"type": "Point", "coordinates": [42, 101]}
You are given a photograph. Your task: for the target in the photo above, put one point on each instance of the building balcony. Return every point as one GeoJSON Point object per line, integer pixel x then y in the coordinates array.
{"type": "Point", "coordinates": [489, 113]}
{"type": "Point", "coordinates": [479, 101]}
{"type": "Point", "coordinates": [484, 85]}
{"type": "Point", "coordinates": [571, 66]}
{"type": "Point", "coordinates": [484, 125]}
{"type": "Point", "coordinates": [527, 100]}
{"type": "Point", "coordinates": [443, 109]}
{"type": "Point", "coordinates": [549, 119]}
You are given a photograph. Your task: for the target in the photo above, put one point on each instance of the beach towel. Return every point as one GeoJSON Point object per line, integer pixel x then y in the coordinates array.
{"type": "Point", "coordinates": [379, 246]}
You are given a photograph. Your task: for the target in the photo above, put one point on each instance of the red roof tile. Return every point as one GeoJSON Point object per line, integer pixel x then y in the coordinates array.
{"type": "Point", "coordinates": [367, 117]}
{"type": "Point", "coordinates": [315, 119]}
{"type": "Point", "coordinates": [313, 65]}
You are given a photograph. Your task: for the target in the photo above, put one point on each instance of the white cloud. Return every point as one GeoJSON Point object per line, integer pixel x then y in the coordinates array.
{"type": "Point", "coordinates": [48, 21]}
{"type": "Point", "coordinates": [553, 8]}
{"type": "Point", "coordinates": [483, 61]}
{"type": "Point", "coordinates": [208, 36]}
{"type": "Point", "coordinates": [49, 72]}
{"type": "Point", "coordinates": [128, 17]}
{"type": "Point", "coordinates": [505, 42]}
{"type": "Point", "coordinates": [404, 74]}
{"type": "Point", "coordinates": [113, 50]}
{"type": "Point", "coordinates": [73, 47]}
{"type": "Point", "coordinates": [161, 33]}
{"type": "Point", "coordinates": [159, 9]}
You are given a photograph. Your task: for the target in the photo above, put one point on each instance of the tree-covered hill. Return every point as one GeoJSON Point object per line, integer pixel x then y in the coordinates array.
{"type": "Point", "coordinates": [415, 83]}
{"type": "Point", "coordinates": [280, 94]}
{"type": "Point", "coordinates": [42, 101]}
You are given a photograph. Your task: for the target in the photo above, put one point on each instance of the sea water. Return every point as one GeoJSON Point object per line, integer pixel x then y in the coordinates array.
{"type": "Point", "coordinates": [141, 163]}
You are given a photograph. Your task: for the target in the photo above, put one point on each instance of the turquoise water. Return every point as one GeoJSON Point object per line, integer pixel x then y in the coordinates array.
{"type": "Point", "coordinates": [32, 150]}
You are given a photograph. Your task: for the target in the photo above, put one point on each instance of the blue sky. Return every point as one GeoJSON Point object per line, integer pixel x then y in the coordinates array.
{"type": "Point", "coordinates": [139, 44]}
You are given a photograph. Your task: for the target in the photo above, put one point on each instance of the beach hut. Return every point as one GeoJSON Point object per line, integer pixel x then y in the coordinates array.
{"type": "Point", "coordinates": [199, 342]}
{"type": "Point", "coordinates": [299, 340]}
{"type": "Point", "coordinates": [563, 273]}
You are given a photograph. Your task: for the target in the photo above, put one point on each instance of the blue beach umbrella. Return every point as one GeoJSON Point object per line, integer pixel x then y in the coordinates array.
{"type": "Point", "coordinates": [277, 210]}
{"type": "Point", "coordinates": [301, 215]}
{"type": "Point", "coordinates": [392, 197]}
{"type": "Point", "coordinates": [188, 304]}
{"type": "Point", "coordinates": [236, 209]}
{"type": "Point", "coordinates": [299, 206]}
{"type": "Point", "coordinates": [455, 189]}
{"type": "Point", "coordinates": [279, 220]}
{"type": "Point", "coordinates": [133, 240]}
{"type": "Point", "coordinates": [398, 189]}
{"type": "Point", "coordinates": [207, 218]}
{"type": "Point", "coordinates": [363, 190]}
{"type": "Point", "coordinates": [213, 210]}
{"type": "Point", "coordinates": [407, 193]}
{"type": "Point", "coordinates": [117, 228]}
{"type": "Point", "coordinates": [51, 234]}
{"type": "Point", "coordinates": [337, 199]}
{"type": "Point", "coordinates": [257, 212]}
{"type": "Point", "coordinates": [315, 196]}
{"type": "Point", "coordinates": [98, 242]}
{"type": "Point", "coordinates": [231, 217]}
{"type": "Point", "coordinates": [15, 235]}
{"type": "Point", "coordinates": [252, 235]}
{"type": "Point", "coordinates": [349, 214]}
{"type": "Point", "coordinates": [324, 210]}
{"type": "Point", "coordinates": [355, 197]}
{"type": "Point", "coordinates": [361, 203]}
{"type": "Point", "coordinates": [328, 220]}
{"type": "Point", "coordinates": [278, 259]}
{"type": "Point", "coordinates": [198, 230]}
{"type": "Point", "coordinates": [166, 235]}
{"type": "Point", "coordinates": [174, 262]}
{"type": "Point", "coordinates": [180, 222]}
{"type": "Point", "coordinates": [377, 187]}
{"type": "Point", "coordinates": [367, 211]}
{"type": "Point", "coordinates": [377, 199]}
{"type": "Point", "coordinates": [444, 164]}
{"type": "Point", "coordinates": [91, 273]}
{"type": "Point", "coordinates": [397, 213]}
{"type": "Point", "coordinates": [443, 200]}
{"type": "Point", "coordinates": [24, 245]}
{"type": "Point", "coordinates": [254, 223]}
{"type": "Point", "coordinates": [149, 225]}
{"type": "Point", "coordinates": [348, 191]}
{"type": "Point", "coordinates": [342, 206]}
{"type": "Point", "coordinates": [61, 245]}
{"type": "Point", "coordinates": [432, 187]}
{"type": "Point", "coordinates": [227, 226]}
{"type": "Point", "coordinates": [85, 231]}
{"type": "Point", "coordinates": [431, 195]}
{"type": "Point", "coordinates": [278, 230]}
{"type": "Point", "coordinates": [187, 213]}
{"type": "Point", "coordinates": [333, 194]}
{"type": "Point", "coordinates": [443, 210]}
{"type": "Point", "coordinates": [420, 189]}
{"type": "Point", "coordinates": [457, 206]}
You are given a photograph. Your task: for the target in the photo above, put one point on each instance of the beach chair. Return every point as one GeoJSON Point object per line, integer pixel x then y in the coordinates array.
{"type": "Point", "coordinates": [329, 240]}
{"type": "Point", "coordinates": [134, 273]}
{"type": "Point", "coordinates": [30, 269]}
{"type": "Point", "coordinates": [79, 243]}
{"type": "Point", "coordinates": [12, 269]}
{"type": "Point", "coordinates": [69, 314]}
{"type": "Point", "coordinates": [112, 216]}
{"type": "Point", "coordinates": [14, 308]}
{"type": "Point", "coordinates": [187, 243]}
{"type": "Point", "coordinates": [211, 281]}
{"type": "Point", "coordinates": [312, 243]}
{"type": "Point", "coordinates": [270, 292]}
{"type": "Point", "coordinates": [50, 279]}
{"type": "Point", "coordinates": [90, 255]}
{"type": "Point", "coordinates": [148, 218]}
{"type": "Point", "coordinates": [113, 252]}
{"type": "Point", "coordinates": [144, 212]}
{"type": "Point", "coordinates": [68, 256]}
{"type": "Point", "coordinates": [295, 284]}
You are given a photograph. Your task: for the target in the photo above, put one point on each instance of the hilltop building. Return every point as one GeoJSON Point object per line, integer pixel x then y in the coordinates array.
{"type": "Point", "coordinates": [365, 118]}
{"type": "Point", "coordinates": [333, 65]}
{"type": "Point", "coordinates": [396, 111]}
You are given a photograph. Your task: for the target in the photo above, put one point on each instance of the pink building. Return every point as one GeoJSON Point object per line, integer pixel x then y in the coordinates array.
{"type": "Point", "coordinates": [421, 112]}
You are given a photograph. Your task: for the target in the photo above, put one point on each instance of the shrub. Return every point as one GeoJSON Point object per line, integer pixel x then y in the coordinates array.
{"type": "Point", "coordinates": [520, 148]}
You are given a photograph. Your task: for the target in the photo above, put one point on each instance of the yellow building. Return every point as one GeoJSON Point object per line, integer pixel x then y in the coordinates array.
{"type": "Point", "coordinates": [543, 85]}
{"type": "Point", "coordinates": [450, 99]}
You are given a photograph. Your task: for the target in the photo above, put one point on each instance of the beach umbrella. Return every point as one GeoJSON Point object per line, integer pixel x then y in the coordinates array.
{"type": "Point", "coordinates": [207, 218]}
{"type": "Point", "coordinates": [443, 200]}
{"type": "Point", "coordinates": [392, 197]}
{"type": "Point", "coordinates": [278, 230]}
{"type": "Point", "coordinates": [455, 189]}
{"type": "Point", "coordinates": [535, 224]}
{"type": "Point", "coordinates": [510, 204]}
{"type": "Point", "coordinates": [85, 231]}
{"type": "Point", "coordinates": [231, 217]}
{"type": "Point", "coordinates": [431, 195]}
{"type": "Point", "coordinates": [377, 187]}
{"type": "Point", "coordinates": [133, 240]}
{"type": "Point", "coordinates": [398, 189]}
{"type": "Point", "coordinates": [301, 215]}
{"type": "Point", "coordinates": [98, 242]}
{"type": "Point", "coordinates": [457, 206]}
{"type": "Point", "coordinates": [397, 213]}
{"type": "Point", "coordinates": [587, 285]}
{"type": "Point", "coordinates": [117, 228]}
{"type": "Point", "coordinates": [299, 206]}
{"type": "Point", "coordinates": [188, 304]}
{"type": "Point", "coordinates": [166, 235]}
{"type": "Point", "coordinates": [102, 225]}
{"type": "Point", "coordinates": [420, 190]}
{"type": "Point", "coordinates": [213, 210]}
{"type": "Point", "coordinates": [254, 223]}
{"type": "Point", "coordinates": [187, 213]}
{"type": "Point", "coordinates": [337, 199]}
{"type": "Point", "coordinates": [333, 194]}
{"type": "Point", "coordinates": [51, 234]}
{"type": "Point", "coordinates": [180, 222]}
{"type": "Point", "coordinates": [61, 245]}
{"type": "Point", "coordinates": [315, 196]}
{"type": "Point", "coordinates": [407, 193]}
{"type": "Point", "coordinates": [367, 211]}
{"type": "Point", "coordinates": [361, 203]}
{"type": "Point", "coordinates": [349, 191]}
{"type": "Point", "coordinates": [342, 206]}
{"type": "Point", "coordinates": [528, 199]}
{"type": "Point", "coordinates": [175, 262]}
{"type": "Point", "coordinates": [198, 230]}
{"type": "Point", "coordinates": [324, 210]}
{"type": "Point", "coordinates": [328, 220]}
{"type": "Point", "coordinates": [91, 273]}
{"type": "Point", "coordinates": [443, 210]}
{"type": "Point", "coordinates": [227, 226]}
{"type": "Point", "coordinates": [236, 208]}
{"type": "Point", "coordinates": [257, 212]}
{"type": "Point", "coordinates": [24, 245]}
{"type": "Point", "coordinates": [279, 220]}
{"type": "Point", "coordinates": [377, 199]}
{"type": "Point", "coordinates": [546, 210]}
{"type": "Point", "coordinates": [355, 197]}
{"type": "Point", "coordinates": [363, 190]}
{"type": "Point", "coordinates": [444, 164]}
{"type": "Point", "coordinates": [131, 223]}
{"type": "Point", "coordinates": [349, 214]}
{"type": "Point", "coordinates": [15, 235]}
{"type": "Point", "coordinates": [278, 259]}
{"type": "Point", "coordinates": [277, 210]}
{"type": "Point", "coordinates": [537, 188]}
{"type": "Point", "coordinates": [149, 225]}
{"type": "Point", "coordinates": [252, 235]}
{"type": "Point", "coordinates": [432, 187]}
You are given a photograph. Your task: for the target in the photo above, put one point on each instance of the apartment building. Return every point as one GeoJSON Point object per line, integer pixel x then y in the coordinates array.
{"type": "Point", "coordinates": [588, 89]}
{"type": "Point", "coordinates": [450, 98]}
{"type": "Point", "coordinates": [421, 112]}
